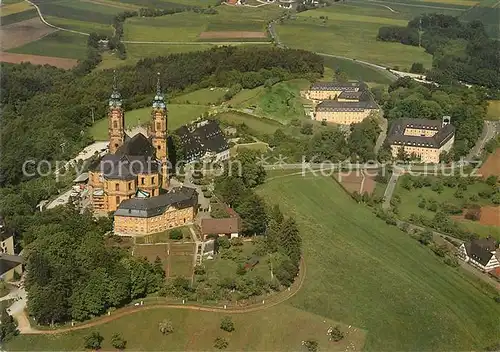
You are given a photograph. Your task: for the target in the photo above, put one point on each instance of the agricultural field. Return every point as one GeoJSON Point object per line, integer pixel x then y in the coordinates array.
{"type": "Point", "coordinates": [178, 115]}
{"type": "Point", "coordinates": [189, 26]}
{"type": "Point", "coordinates": [38, 60]}
{"type": "Point", "coordinates": [58, 44]}
{"type": "Point", "coordinates": [493, 112]}
{"type": "Point", "coordinates": [16, 7]}
{"type": "Point", "coordinates": [349, 35]}
{"type": "Point", "coordinates": [351, 277]}
{"type": "Point", "coordinates": [279, 328]}
{"type": "Point", "coordinates": [87, 11]}
{"type": "Point", "coordinates": [492, 165]}
{"type": "Point", "coordinates": [20, 33]}
{"type": "Point", "coordinates": [17, 17]}
{"type": "Point", "coordinates": [81, 26]}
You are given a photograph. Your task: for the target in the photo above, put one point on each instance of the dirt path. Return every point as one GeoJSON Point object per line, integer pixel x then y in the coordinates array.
{"type": "Point", "coordinates": [273, 301]}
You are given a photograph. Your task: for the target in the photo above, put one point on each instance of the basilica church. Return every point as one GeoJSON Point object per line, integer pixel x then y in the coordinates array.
{"type": "Point", "coordinates": [135, 167]}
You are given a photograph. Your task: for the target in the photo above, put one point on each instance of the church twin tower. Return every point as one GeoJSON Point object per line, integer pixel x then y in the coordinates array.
{"type": "Point", "coordinates": [157, 131]}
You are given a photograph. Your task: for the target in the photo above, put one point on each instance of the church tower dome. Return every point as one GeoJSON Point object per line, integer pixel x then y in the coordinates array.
{"type": "Point", "coordinates": [158, 131]}
{"type": "Point", "coordinates": [116, 119]}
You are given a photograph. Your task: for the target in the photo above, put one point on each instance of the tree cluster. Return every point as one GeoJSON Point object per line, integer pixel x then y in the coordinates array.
{"type": "Point", "coordinates": [45, 107]}
{"type": "Point", "coordinates": [73, 274]}
{"type": "Point", "coordinates": [461, 51]}
{"type": "Point", "coordinates": [284, 243]}
{"type": "Point", "coordinates": [404, 35]}
{"type": "Point", "coordinates": [235, 188]}
{"type": "Point", "coordinates": [8, 327]}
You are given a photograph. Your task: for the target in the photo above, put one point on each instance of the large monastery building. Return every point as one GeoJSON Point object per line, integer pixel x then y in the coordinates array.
{"type": "Point", "coordinates": [426, 139]}
{"type": "Point", "coordinates": [341, 103]}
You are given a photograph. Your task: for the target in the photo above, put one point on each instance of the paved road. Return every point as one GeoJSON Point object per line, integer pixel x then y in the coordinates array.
{"type": "Point", "coordinates": [490, 130]}
{"type": "Point", "coordinates": [391, 186]}
{"type": "Point", "coordinates": [383, 134]}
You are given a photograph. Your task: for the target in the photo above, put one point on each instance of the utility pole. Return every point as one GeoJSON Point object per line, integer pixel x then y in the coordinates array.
{"type": "Point", "coordinates": [92, 114]}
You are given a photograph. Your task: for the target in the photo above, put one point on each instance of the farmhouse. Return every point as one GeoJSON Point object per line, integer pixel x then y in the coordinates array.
{"type": "Point", "coordinates": [203, 141]}
{"type": "Point", "coordinates": [425, 139]}
{"type": "Point", "coordinates": [230, 227]}
{"type": "Point", "coordinates": [144, 216]}
{"type": "Point", "coordinates": [342, 103]}
{"type": "Point", "coordinates": [133, 165]}
{"type": "Point", "coordinates": [480, 253]}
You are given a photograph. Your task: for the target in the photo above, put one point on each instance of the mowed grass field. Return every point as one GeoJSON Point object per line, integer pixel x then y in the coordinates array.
{"type": "Point", "coordinates": [355, 71]}
{"type": "Point", "coordinates": [178, 115]}
{"type": "Point", "coordinates": [187, 26]}
{"type": "Point", "coordinates": [280, 328]}
{"type": "Point", "coordinates": [493, 112]}
{"type": "Point", "coordinates": [363, 272]}
{"type": "Point", "coordinates": [346, 33]}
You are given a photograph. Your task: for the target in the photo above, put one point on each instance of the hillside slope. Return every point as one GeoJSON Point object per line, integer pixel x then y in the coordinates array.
{"type": "Point", "coordinates": [368, 274]}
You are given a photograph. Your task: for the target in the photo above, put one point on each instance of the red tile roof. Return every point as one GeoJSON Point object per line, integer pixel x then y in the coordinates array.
{"type": "Point", "coordinates": [220, 226]}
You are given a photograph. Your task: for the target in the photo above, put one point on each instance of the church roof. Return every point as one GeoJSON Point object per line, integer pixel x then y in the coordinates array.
{"type": "Point", "coordinates": [135, 156]}
{"type": "Point", "coordinates": [138, 145]}
{"type": "Point", "coordinates": [201, 138]}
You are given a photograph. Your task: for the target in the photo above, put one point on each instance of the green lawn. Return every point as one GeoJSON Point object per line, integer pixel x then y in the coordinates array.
{"type": "Point", "coordinates": [164, 237]}
{"type": "Point", "coordinates": [493, 110]}
{"type": "Point", "coordinates": [206, 96]}
{"type": "Point", "coordinates": [220, 268]}
{"type": "Point", "coordinates": [178, 115]}
{"type": "Point", "coordinates": [350, 35]}
{"type": "Point", "coordinates": [363, 272]}
{"type": "Point", "coordinates": [259, 125]}
{"type": "Point", "coordinates": [244, 96]}
{"type": "Point", "coordinates": [281, 102]}
{"type": "Point", "coordinates": [280, 328]}
{"type": "Point", "coordinates": [355, 71]}
{"type": "Point", "coordinates": [186, 26]}
{"type": "Point", "coordinates": [58, 44]}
